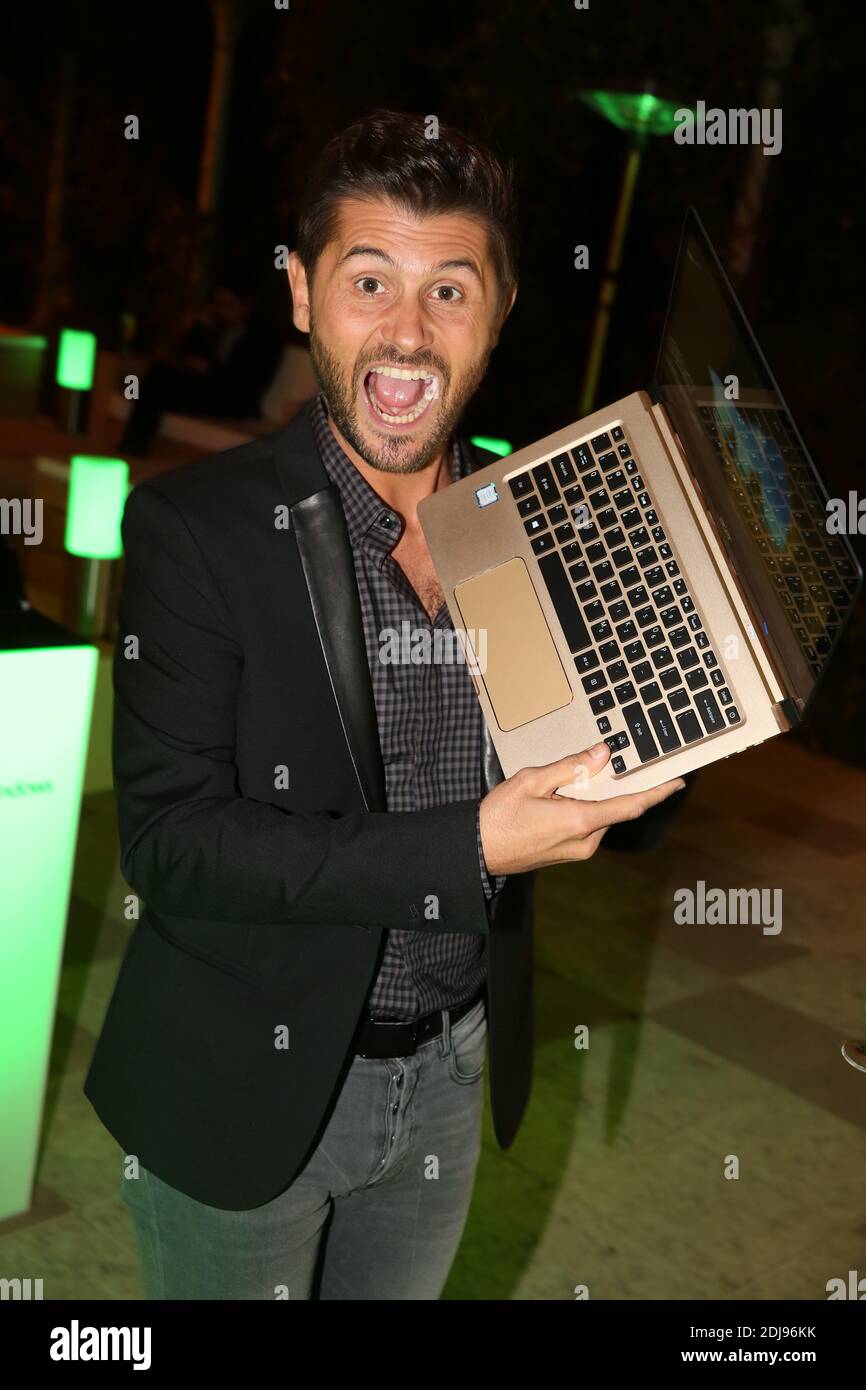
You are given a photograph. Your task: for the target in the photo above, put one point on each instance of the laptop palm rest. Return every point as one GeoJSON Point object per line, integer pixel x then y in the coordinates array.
{"type": "Point", "coordinates": [514, 651]}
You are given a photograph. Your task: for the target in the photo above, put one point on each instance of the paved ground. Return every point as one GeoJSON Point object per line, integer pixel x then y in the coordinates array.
{"type": "Point", "coordinates": [704, 1042]}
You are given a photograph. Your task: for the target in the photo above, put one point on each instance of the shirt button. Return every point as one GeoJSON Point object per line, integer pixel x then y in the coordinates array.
{"type": "Point", "coordinates": [385, 519]}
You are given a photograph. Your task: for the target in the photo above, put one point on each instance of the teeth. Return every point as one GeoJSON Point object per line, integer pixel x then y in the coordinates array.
{"type": "Point", "coordinates": [402, 373]}
{"type": "Point", "coordinates": [430, 390]}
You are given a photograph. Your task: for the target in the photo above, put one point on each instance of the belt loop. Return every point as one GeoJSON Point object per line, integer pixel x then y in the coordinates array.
{"type": "Point", "coordinates": [445, 1036]}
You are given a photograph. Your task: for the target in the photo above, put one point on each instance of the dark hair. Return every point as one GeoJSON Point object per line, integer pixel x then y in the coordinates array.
{"type": "Point", "coordinates": [389, 154]}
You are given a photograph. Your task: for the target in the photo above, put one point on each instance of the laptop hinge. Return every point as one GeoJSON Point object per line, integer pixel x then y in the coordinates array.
{"type": "Point", "coordinates": [788, 713]}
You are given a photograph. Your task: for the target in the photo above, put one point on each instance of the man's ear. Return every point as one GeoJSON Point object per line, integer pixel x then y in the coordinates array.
{"type": "Point", "coordinates": [503, 316]}
{"type": "Point", "coordinates": [299, 286]}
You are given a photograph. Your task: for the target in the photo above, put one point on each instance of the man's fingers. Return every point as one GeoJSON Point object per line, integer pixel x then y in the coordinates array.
{"type": "Point", "coordinates": [546, 779]}
{"type": "Point", "coordinates": [628, 807]}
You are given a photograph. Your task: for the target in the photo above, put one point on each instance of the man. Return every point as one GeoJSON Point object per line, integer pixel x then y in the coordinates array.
{"type": "Point", "coordinates": [225, 363]}
{"type": "Point", "coordinates": [336, 875]}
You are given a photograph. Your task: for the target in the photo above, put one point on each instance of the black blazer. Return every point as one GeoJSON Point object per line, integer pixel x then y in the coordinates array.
{"type": "Point", "coordinates": [242, 653]}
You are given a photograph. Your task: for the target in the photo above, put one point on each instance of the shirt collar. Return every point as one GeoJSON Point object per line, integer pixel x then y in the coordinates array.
{"type": "Point", "coordinates": [367, 516]}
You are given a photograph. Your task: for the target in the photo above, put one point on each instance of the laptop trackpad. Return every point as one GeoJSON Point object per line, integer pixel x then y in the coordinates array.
{"type": "Point", "coordinates": [515, 652]}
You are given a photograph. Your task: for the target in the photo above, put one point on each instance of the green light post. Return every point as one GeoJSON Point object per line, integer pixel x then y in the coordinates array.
{"type": "Point", "coordinates": [76, 356]}
{"type": "Point", "coordinates": [98, 489]}
{"type": "Point", "coordinates": [639, 114]}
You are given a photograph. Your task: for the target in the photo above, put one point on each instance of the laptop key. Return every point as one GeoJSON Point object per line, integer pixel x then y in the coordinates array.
{"type": "Point", "coordinates": [709, 711]}
{"type": "Point", "coordinates": [650, 693]}
{"type": "Point", "coordinates": [644, 616]}
{"type": "Point", "coordinates": [626, 631]}
{"type": "Point", "coordinates": [601, 630]}
{"type": "Point", "coordinates": [564, 468]}
{"type": "Point", "coordinates": [593, 611]}
{"type": "Point", "coordinates": [564, 533]}
{"type": "Point", "coordinates": [607, 461]}
{"type": "Point", "coordinates": [579, 571]}
{"type": "Point", "coordinates": [600, 443]}
{"type": "Point", "coordinates": [610, 591]}
{"type": "Point", "coordinates": [542, 543]}
{"type": "Point", "coordinates": [701, 642]}
{"type": "Point", "coordinates": [621, 556]}
{"type": "Point", "coordinates": [609, 651]}
{"type": "Point", "coordinates": [571, 552]}
{"type": "Point", "coordinates": [595, 551]}
{"type": "Point", "coordinates": [670, 678]}
{"type": "Point", "coordinates": [618, 763]}
{"type": "Point", "coordinates": [529, 505]}
{"type": "Point", "coordinates": [557, 514]}
{"type": "Point", "coordinates": [617, 433]}
{"type": "Point", "coordinates": [689, 726]}
{"type": "Point", "coordinates": [733, 714]}
{"type": "Point", "coordinates": [603, 571]}
{"type": "Point", "coordinates": [545, 483]}
{"type": "Point", "coordinates": [638, 727]}
{"type": "Point", "coordinates": [646, 557]}
{"type": "Point", "coordinates": [631, 518]}
{"type": "Point", "coordinates": [600, 703]}
{"type": "Point", "coordinates": [654, 576]}
{"type": "Point", "coordinates": [535, 524]}
{"type": "Point", "coordinates": [678, 699]}
{"type": "Point", "coordinates": [717, 677]}
{"type": "Point", "coordinates": [583, 458]}
{"type": "Point", "coordinates": [669, 616]}
{"type": "Point", "coordinates": [629, 577]}
{"type": "Point", "coordinates": [662, 657]}
{"type": "Point", "coordinates": [635, 651]}
{"type": "Point", "coordinates": [725, 695]}
{"type": "Point", "coordinates": [695, 679]}
{"type": "Point", "coordinates": [596, 680]}
{"type": "Point", "coordinates": [642, 671]}
{"type": "Point", "coordinates": [520, 485]}
{"type": "Point", "coordinates": [664, 727]}
{"type": "Point", "coordinates": [687, 658]}
{"type": "Point", "coordinates": [586, 661]}
{"type": "Point", "coordinates": [617, 671]}
{"type": "Point", "coordinates": [661, 596]}
{"type": "Point", "coordinates": [637, 596]}
{"type": "Point", "coordinates": [603, 724]}
{"type": "Point", "coordinates": [618, 611]}
{"type": "Point", "coordinates": [573, 495]}
{"type": "Point", "coordinates": [564, 602]}
{"type": "Point", "coordinates": [652, 636]}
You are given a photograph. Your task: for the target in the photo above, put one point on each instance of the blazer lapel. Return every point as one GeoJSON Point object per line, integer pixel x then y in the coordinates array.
{"type": "Point", "coordinates": [325, 555]}
{"type": "Point", "coordinates": [326, 558]}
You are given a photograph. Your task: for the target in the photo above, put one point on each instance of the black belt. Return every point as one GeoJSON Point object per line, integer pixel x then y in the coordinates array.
{"type": "Point", "coordinates": [378, 1039]}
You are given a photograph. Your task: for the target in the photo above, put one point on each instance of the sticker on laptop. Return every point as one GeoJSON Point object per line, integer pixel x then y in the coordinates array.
{"type": "Point", "coordinates": [487, 494]}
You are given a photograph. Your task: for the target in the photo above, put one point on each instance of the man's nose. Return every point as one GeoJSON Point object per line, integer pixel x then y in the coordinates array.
{"type": "Point", "coordinates": [407, 327]}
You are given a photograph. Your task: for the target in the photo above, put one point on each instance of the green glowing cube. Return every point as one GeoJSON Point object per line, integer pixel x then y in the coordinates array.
{"type": "Point", "coordinates": [496, 446]}
{"type": "Point", "coordinates": [98, 489]}
{"type": "Point", "coordinates": [75, 358]}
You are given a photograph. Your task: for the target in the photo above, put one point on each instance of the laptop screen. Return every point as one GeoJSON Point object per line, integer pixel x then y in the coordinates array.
{"type": "Point", "coordinates": [763, 492]}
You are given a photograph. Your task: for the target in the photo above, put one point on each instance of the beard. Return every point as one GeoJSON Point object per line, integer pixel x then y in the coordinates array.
{"type": "Point", "coordinates": [393, 453]}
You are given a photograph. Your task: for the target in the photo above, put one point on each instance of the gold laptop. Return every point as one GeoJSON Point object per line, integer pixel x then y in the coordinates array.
{"type": "Point", "coordinates": [659, 574]}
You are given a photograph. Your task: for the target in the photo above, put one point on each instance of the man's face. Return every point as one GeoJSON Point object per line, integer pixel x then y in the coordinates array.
{"type": "Point", "coordinates": [402, 319]}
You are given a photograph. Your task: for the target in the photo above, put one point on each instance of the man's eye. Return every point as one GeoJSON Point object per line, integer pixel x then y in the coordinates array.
{"type": "Point", "coordinates": [447, 294]}
{"type": "Point", "coordinates": [368, 284]}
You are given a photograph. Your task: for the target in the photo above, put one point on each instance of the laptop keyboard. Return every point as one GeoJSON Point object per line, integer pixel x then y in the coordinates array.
{"type": "Point", "coordinates": [646, 665]}
{"type": "Point", "coordinates": [777, 496]}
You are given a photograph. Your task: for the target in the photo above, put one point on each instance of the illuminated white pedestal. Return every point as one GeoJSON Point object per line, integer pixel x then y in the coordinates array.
{"type": "Point", "coordinates": [47, 680]}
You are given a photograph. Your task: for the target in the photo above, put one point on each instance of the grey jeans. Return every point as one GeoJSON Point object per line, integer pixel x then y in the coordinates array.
{"type": "Point", "coordinates": [377, 1212]}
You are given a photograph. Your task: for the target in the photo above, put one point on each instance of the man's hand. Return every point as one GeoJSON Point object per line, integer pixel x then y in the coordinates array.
{"type": "Point", "coordinates": [525, 825]}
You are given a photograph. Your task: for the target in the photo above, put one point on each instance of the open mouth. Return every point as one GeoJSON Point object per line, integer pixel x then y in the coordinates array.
{"type": "Point", "coordinates": [400, 395]}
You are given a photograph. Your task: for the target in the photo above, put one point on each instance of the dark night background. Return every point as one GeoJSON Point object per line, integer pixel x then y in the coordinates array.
{"type": "Point", "coordinates": [510, 72]}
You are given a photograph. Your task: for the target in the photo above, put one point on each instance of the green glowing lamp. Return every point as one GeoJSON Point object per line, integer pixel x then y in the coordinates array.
{"type": "Point", "coordinates": [496, 446]}
{"type": "Point", "coordinates": [98, 489]}
{"type": "Point", "coordinates": [637, 112]}
{"type": "Point", "coordinates": [75, 358]}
